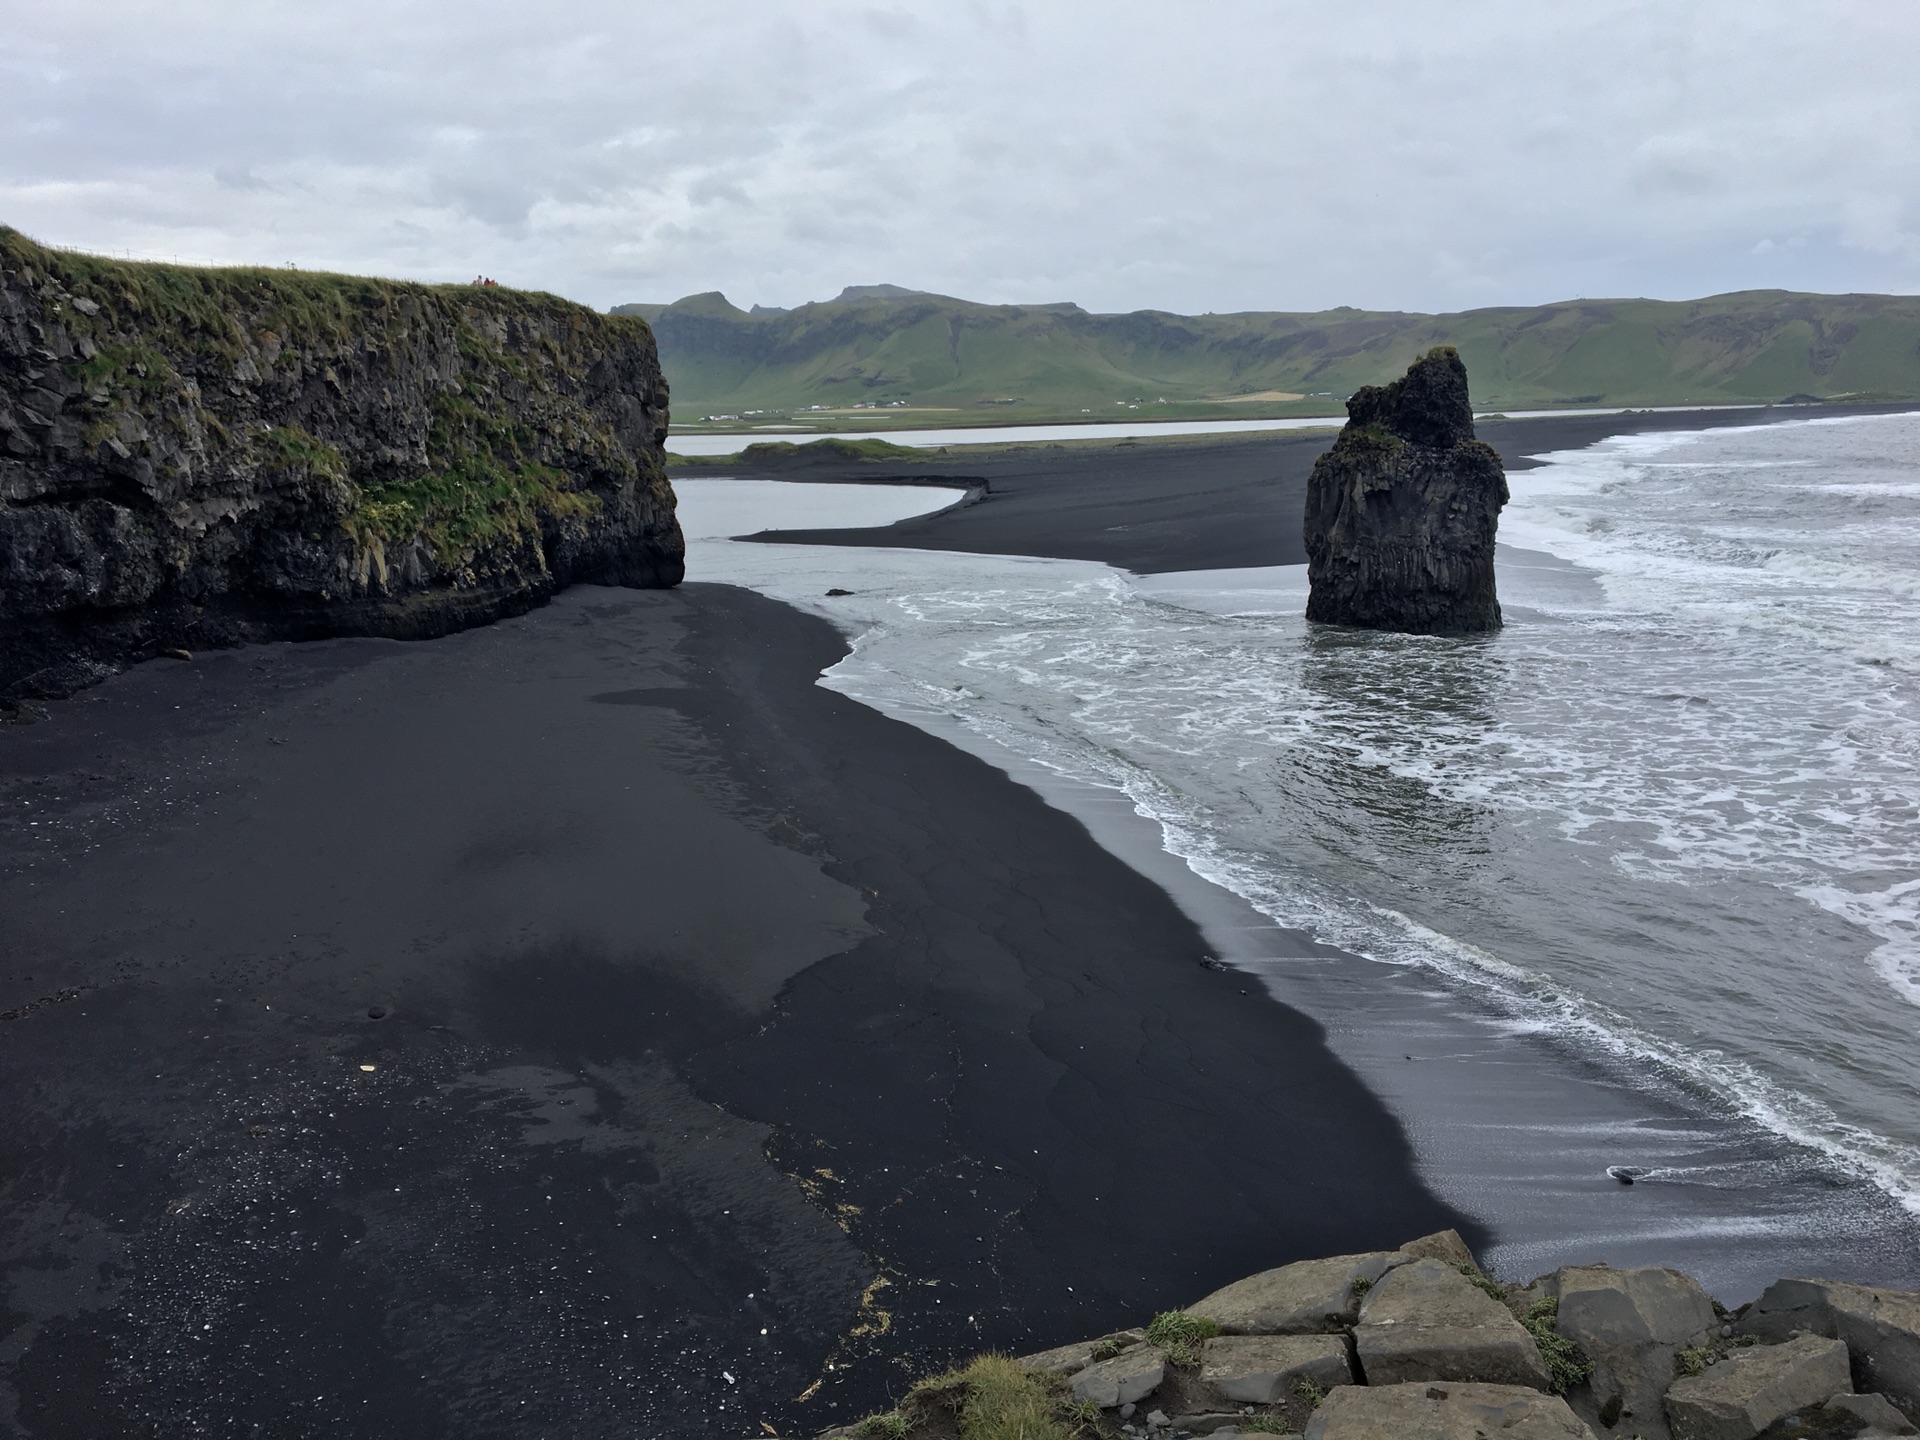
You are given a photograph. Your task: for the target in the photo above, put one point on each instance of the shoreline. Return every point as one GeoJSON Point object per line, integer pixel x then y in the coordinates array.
{"type": "Point", "coordinates": [409, 1061]}
{"type": "Point", "coordinates": [1176, 504]}
{"type": "Point", "coordinates": [1518, 1128]}
{"type": "Point", "coordinates": [1619, 1105]}
{"type": "Point", "coordinates": [705, 444]}
{"type": "Point", "coordinates": [1509, 1123]}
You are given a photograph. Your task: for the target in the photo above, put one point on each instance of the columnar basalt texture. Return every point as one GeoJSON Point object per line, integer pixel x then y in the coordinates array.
{"type": "Point", "coordinates": [194, 457]}
{"type": "Point", "coordinates": [1401, 513]}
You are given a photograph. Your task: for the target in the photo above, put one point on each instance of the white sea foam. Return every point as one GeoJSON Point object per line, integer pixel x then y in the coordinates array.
{"type": "Point", "coordinates": [1669, 815]}
{"type": "Point", "coordinates": [1531, 1001]}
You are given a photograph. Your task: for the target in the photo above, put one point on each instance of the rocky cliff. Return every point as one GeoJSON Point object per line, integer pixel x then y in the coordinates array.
{"type": "Point", "coordinates": [1401, 513]}
{"type": "Point", "coordinates": [195, 457]}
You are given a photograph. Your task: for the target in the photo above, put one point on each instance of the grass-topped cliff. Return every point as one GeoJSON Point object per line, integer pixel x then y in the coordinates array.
{"type": "Point", "coordinates": [954, 362]}
{"type": "Point", "coordinates": [191, 456]}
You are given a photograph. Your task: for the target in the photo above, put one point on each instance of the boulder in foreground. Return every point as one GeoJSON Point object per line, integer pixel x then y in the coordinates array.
{"type": "Point", "coordinates": [1632, 1324]}
{"type": "Point", "coordinates": [1429, 1411]}
{"type": "Point", "coordinates": [1880, 1327]}
{"type": "Point", "coordinates": [1072, 1359]}
{"type": "Point", "coordinates": [1401, 513]}
{"type": "Point", "coordinates": [1751, 1389]}
{"type": "Point", "coordinates": [1309, 1297]}
{"type": "Point", "coordinates": [1445, 1352]}
{"type": "Point", "coordinates": [1129, 1376]}
{"type": "Point", "coordinates": [1866, 1415]}
{"type": "Point", "coordinates": [1271, 1369]}
{"type": "Point", "coordinates": [1427, 1321]}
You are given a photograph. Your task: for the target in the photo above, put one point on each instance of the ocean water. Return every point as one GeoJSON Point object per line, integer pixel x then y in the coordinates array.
{"type": "Point", "coordinates": [1663, 829]}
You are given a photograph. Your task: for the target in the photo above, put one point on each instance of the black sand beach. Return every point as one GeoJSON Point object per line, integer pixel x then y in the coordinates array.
{"type": "Point", "coordinates": [495, 1036]}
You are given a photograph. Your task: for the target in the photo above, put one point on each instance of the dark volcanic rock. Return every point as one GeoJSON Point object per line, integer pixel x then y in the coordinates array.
{"type": "Point", "coordinates": [193, 458]}
{"type": "Point", "coordinates": [1401, 512]}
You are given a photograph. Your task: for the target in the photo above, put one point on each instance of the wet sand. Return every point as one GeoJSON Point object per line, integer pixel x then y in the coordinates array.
{"type": "Point", "coordinates": [497, 1035]}
{"type": "Point", "coordinates": [1516, 1126]}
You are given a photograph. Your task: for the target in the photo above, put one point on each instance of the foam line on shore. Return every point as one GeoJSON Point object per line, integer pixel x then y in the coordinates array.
{"type": "Point", "coordinates": [1380, 1017]}
{"type": "Point", "coordinates": [1398, 1033]}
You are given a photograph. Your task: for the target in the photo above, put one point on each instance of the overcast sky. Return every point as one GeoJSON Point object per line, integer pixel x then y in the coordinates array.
{"type": "Point", "coordinates": [1199, 156]}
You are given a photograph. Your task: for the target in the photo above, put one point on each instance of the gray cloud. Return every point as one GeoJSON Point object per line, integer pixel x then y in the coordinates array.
{"type": "Point", "coordinates": [1234, 155]}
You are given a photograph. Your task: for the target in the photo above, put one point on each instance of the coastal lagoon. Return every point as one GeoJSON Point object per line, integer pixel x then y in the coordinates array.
{"type": "Point", "coordinates": [1632, 882]}
{"type": "Point", "coordinates": [699, 443]}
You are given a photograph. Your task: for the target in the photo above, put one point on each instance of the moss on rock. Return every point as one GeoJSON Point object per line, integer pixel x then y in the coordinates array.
{"type": "Point", "coordinates": [193, 456]}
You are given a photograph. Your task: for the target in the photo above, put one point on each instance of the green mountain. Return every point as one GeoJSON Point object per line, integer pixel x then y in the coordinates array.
{"type": "Point", "coordinates": [929, 359]}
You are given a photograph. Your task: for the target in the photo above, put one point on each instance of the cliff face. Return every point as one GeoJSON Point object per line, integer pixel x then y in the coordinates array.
{"type": "Point", "coordinates": [1401, 513]}
{"type": "Point", "coordinates": [193, 458]}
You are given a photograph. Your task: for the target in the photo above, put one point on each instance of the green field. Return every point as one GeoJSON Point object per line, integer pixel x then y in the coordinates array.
{"type": "Point", "coordinates": [903, 359]}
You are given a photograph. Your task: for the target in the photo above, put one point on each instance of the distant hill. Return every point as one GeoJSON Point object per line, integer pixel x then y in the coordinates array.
{"type": "Point", "coordinates": [937, 360]}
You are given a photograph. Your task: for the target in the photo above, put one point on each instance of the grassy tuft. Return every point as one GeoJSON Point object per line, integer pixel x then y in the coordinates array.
{"type": "Point", "coordinates": [995, 1398]}
{"type": "Point", "coordinates": [1481, 1281]}
{"type": "Point", "coordinates": [1567, 1364]}
{"type": "Point", "coordinates": [1082, 1413]}
{"type": "Point", "coordinates": [891, 1425]}
{"type": "Point", "coordinates": [1005, 1402]}
{"type": "Point", "coordinates": [1181, 1335]}
{"type": "Point", "coordinates": [1694, 1360]}
{"type": "Point", "coordinates": [294, 449]}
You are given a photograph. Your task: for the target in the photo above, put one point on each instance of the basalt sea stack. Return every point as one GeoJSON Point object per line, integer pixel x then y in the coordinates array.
{"type": "Point", "coordinates": [1401, 512]}
{"type": "Point", "coordinates": [194, 457]}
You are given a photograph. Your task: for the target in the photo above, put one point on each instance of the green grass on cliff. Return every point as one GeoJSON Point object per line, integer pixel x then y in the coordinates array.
{"type": "Point", "coordinates": [481, 488]}
{"type": "Point", "coordinates": [928, 360]}
{"type": "Point", "coordinates": [294, 449]}
{"type": "Point", "coordinates": [461, 509]}
{"type": "Point", "coordinates": [159, 334]}
{"type": "Point", "coordinates": [773, 451]}
{"type": "Point", "coordinates": [212, 310]}
{"type": "Point", "coordinates": [775, 454]}
{"type": "Point", "coordinates": [989, 1398]}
